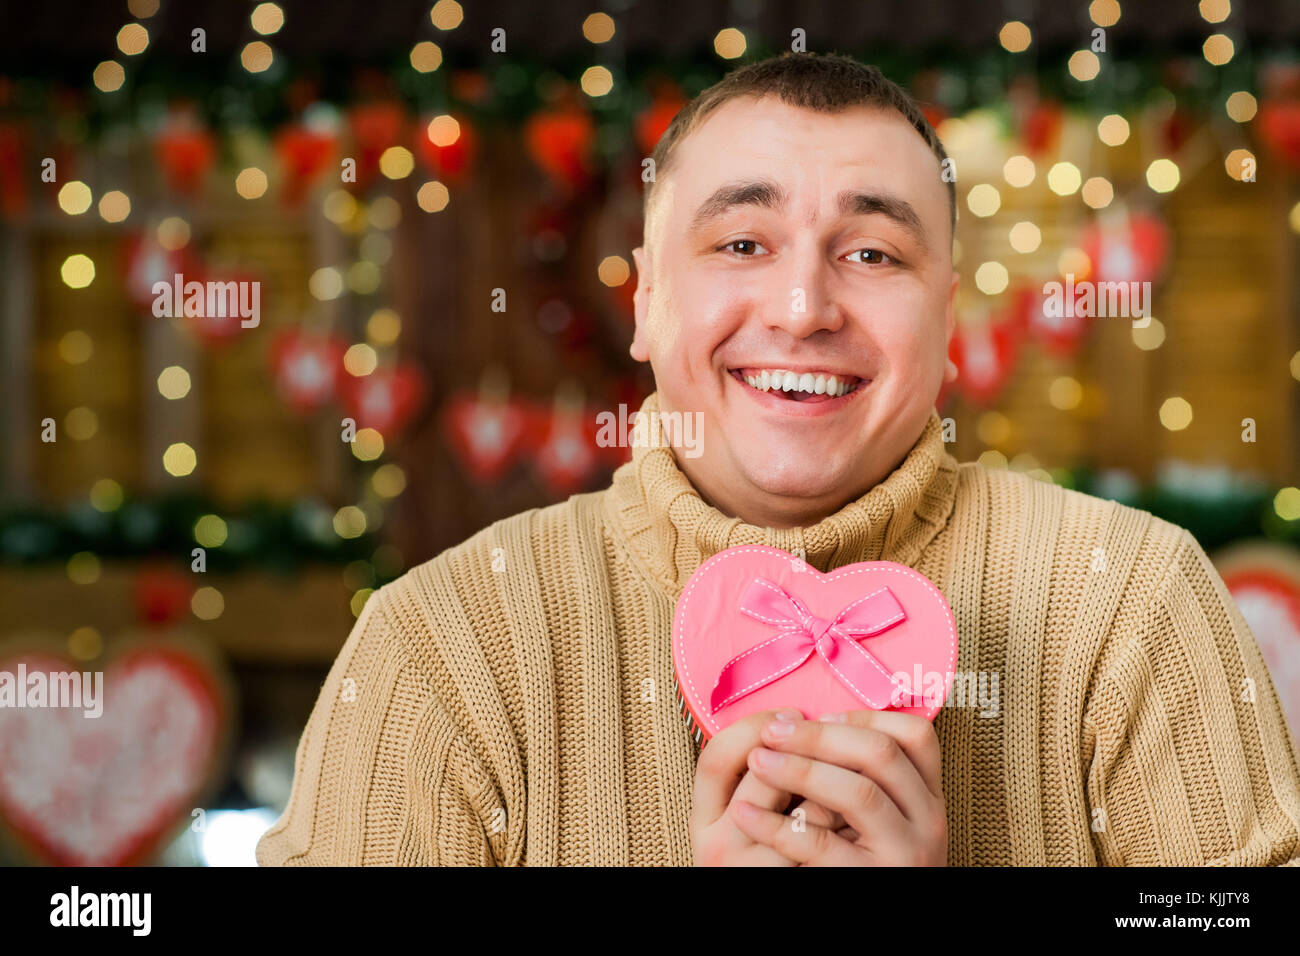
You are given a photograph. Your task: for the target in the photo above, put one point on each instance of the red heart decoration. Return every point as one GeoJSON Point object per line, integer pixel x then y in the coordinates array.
{"type": "Point", "coordinates": [386, 399]}
{"type": "Point", "coordinates": [109, 790]}
{"type": "Point", "coordinates": [486, 436]}
{"type": "Point", "coordinates": [307, 367]}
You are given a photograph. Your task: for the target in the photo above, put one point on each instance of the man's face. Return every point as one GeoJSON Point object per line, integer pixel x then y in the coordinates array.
{"type": "Point", "coordinates": [810, 244]}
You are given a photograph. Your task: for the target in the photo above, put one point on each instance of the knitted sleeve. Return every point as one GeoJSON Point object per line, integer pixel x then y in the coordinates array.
{"type": "Point", "coordinates": [1192, 761]}
{"type": "Point", "coordinates": [382, 776]}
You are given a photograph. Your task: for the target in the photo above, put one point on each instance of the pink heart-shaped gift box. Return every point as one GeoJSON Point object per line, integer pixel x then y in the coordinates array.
{"type": "Point", "coordinates": [731, 662]}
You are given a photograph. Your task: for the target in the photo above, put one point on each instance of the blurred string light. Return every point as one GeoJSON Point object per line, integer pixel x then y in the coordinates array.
{"type": "Point", "coordinates": [1113, 130]}
{"type": "Point", "coordinates": [75, 197]}
{"type": "Point", "coordinates": [173, 382]}
{"type": "Point", "coordinates": [360, 360]}
{"type": "Point", "coordinates": [1019, 171]}
{"type": "Point", "coordinates": [349, 522]}
{"type": "Point", "coordinates": [598, 28]}
{"type": "Point", "coordinates": [1097, 192]}
{"type": "Point", "coordinates": [1217, 49]}
{"type": "Point", "coordinates": [179, 459]}
{"type": "Point", "coordinates": [1084, 65]}
{"type": "Point", "coordinates": [1104, 13]}
{"type": "Point", "coordinates": [377, 248]}
{"type": "Point", "coordinates": [339, 206]}
{"type": "Point", "coordinates": [143, 9]}
{"type": "Point", "coordinates": [77, 271]}
{"type": "Point", "coordinates": [1286, 503]}
{"type": "Point", "coordinates": [109, 76]}
{"type": "Point", "coordinates": [729, 43]}
{"type": "Point", "coordinates": [443, 130]}
{"type": "Point", "coordinates": [446, 14]}
{"type": "Point", "coordinates": [210, 531]}
{"type": "Point", "coordinates": [85, 643]}
{"type": "Point", "coordinates": [384, 213]}
{"type": "Point", "coordinates": [208, 604]}
{"type": "Point", "coordinates": [596, 81]}
{"type": "Point", "coordinates": [364, 277]}
{"type": "Point", "coordinates": [1237, 162]}
{"type": "Point", "coordinates": [992, 458]}
{"type": "Point", "coordinates": [983, 200]}
{"type": "Point", "coordinates": [251, 183]}
{"type": "Point", "coordinates": [106, 495]}
{"type": "Point", "coordinates": [613, 271]}
{"type": "Point", "coordinates": [81, 423]}
{"type": "Point", "coordinates": [433, 196]}
{"type": "Point", "coordinates": [383, 327]}
{"type": "Point", "coordinates": [173, 233]}
{"type": "Point", "coordinates": [230, 837]}
{"type": "Point", "coordinates": [1295, 366]}
{"type": "Point", "coordinates": [389, 481]}
{"type": "Point", "coordinates": [993, 428]}
{"type": "Point", "coordinates": [992, 278]}
{"type": "Point", "coordinates": [76, 347]}
{"type": "Point", "coordinates": [1294, 218]}
{"type": "Point", "coordinates": [1163, 175]}
{"type": "Point", "coordinates": [1241, 107]}
{"type": "Point", "coordinates": [83, 568]}
{"type": "Point", "coordinates": [132, 39]}
{"type": "Point", "coordinates": [266, 18]}
{"type": "Point", "coordinates": [114, 206]}
{"type": "Point", "coordinates": [397, 162]}
{"type": "Point", "coordinates": [256, 57]}
{"type": "Point", "coordinates": [368, 445]}
{"type": "Point", "coordinates": [1150, 336]}
{"type": "Point", "coordinates": [1015, 37]}
{"type": "Point", "coordinates": [1025, 237]}
{"type": "Point", "coordinates": [1074, 261]}
{"type": "Point", "coordinates": [1064, 179]}
{"type": "Point", "coordinates": [326, 283]}
{"type": "Point", "coordinates": [426, 56]}
{"type": "Point", "coordinates": [1215, 11]}
{"type": "Point", "coordinates": [1175, 413]}
{"type": "Point", "coordinates": [1065, 393]}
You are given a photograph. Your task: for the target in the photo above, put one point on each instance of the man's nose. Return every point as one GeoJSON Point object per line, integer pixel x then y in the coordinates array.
{"type": "Point", "coordinates": [801, 298]}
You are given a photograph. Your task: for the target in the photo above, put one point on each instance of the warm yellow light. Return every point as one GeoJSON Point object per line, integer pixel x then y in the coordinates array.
{"type": "Point", "coordinates": [993, 428]}
{"type": "Point", "coordinates": [109, 76]}
{"type": "Point", "coordinates": [1150, 336]}
{"type": "Point", "coordinates": [76, 347]}
{"type": "Point", "coordinates": [210, 531]}
{"type": "Point", "coordinates": [1015, 36]}
{"type": "Point", "coordinates": [349, 522]}
{"type": "Point", "coordinates": [368, 445]}
{"type": "Point", "coordinates": [81, 423]}
{"type": "Point", "coordinates": [443, 130]}
{"type": "Point", "coordinates": [256, 57]}
{"type": "Point", "coordinates": [143, 9]}
{"type": "Point", "coordinates": [325, 283]}
{"type": "Point", "coordinates": [173, 382]}
{"type": "Point", "coordinates": [364, 277]}
{"type": "Point", "coordinates": [1238, 163]}
{"type": "Point", "coordinates": [1241, 107]}
{"type": "Point", "coordinates": [991, 278]}
{"type": "Point", "coordinates": [1065, 393]}
{"type": "Point", "coordinates": [729, 43]}
{"type": "Point", "coordinates": [1175, 413]}
{"type": "Point", "coordinates": [1113, 130]}
{"type": "Point", "coordinates": [1217, 49]}
{"type": "Point", "coordinates": [426, 56]}
{"type": "Point", "coordinates": [1019, 171]}
{"type": "Point", "coordinates": [1163, 175]}
{"type": "Point", "coordinates": [1074, 261]}
{"type": "Point", "coordinates": [613, 271]}
{"type": "Point", "coordinates": [433, 197]}
{"type": "Point", "coordinates": [383, 327]}
{"type": "Point", "coordinates": [78, 271]}
{"type": "Point", "coordinates": [114, 206]}
{"type": "Point", "coordinates": [596, 81]}
{"type": "Point", "coordinates": [132, 39]}
{"type": "Point", "coordinates": [384, 213]}
{"type": "Point", "coordinates": [173, 233]}
{"type": "Point", "coordinates": [1295, 366]}
{"type": "Point", "coordinates": [1064, 179]}
{"type": "Point", "coordinates": [1084, 65]}
{"type": "Point", "coordinates": [389, 481]}
{"type": "Point", "coordinates": [1104, 13]}
{"type": "Point", "coordinates": [339, 206]}
{"type": "Point", "coordinates": [266, 18]}
{"type": "Point", "coordinates": [85, 643]}
{"type": "Point", "coordinates": [360, 359]}
{"type": "Point", "coordinates": [446, 14]}
{"type": "Point", "coordinates": [983, 200]}
{"type": "Point", "coordinates": [251, 183]}
{"type": "Point", "coordinates": [992, 458]}
{"type": "Point", "coordinates": [74, 197]}
{"type": "Point", "coordinates": [106, 495]}
{"type": "Point", "coordinates": [598, 28]}
{"type": "Point", "coordinates": [1287, 503]}
{"type": "Point", "coordinates": [207, 603]}
{"type": "Point", "coordinates": [179, 459]}
{"type": "Point", "coordinates": [396, 162]}
{"type": "Point", "coordinates": [376, 248]}
{"type": "Point", "coordinates": [1025, 237]}
{"type": "Point", "coordinates": [83, 568]}
{"type": "Point", "coordinates": [359, 599]}
{"type": "Point", "coordinates": [1098, 192]}
{"type": "Point", "coordinates": [1215, 11]}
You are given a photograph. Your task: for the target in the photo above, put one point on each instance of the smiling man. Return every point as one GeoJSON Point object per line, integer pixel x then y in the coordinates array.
{"type": "Point", "coordinates": [512, 700]}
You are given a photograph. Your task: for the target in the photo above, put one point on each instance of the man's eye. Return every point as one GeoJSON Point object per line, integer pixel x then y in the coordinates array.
{"type": "Point", "coordinates": [752, 245]}
{"type": "Point", "coordinates": [877, 257]}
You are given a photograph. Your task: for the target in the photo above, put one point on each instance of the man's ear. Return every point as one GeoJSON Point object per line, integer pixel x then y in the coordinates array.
{"type": "Point", "coordinates": [641, 304]}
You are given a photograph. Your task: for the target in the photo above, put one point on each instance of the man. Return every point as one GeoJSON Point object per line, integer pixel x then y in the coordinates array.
{"type": "Point", "coordinates": [510, 701]}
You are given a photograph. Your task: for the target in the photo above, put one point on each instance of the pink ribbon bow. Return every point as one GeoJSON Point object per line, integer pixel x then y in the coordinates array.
{"type": "Point", "coordinates": [802, 633]}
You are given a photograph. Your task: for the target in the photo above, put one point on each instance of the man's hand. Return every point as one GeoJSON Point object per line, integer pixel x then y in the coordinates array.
{"type": "Point", "coordinates": [875, 773]}
{"type": "Point", "coordinates": [721, 778]}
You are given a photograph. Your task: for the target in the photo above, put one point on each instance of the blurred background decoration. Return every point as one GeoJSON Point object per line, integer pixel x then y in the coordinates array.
{"type": "Point", "coordinates": [466, 303]}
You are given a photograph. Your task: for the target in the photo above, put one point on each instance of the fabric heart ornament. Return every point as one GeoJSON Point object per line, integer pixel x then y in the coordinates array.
{"type": "Point", "coordinates": [107, 790]}
{"type": "Point", "coordinates": [757, 628]}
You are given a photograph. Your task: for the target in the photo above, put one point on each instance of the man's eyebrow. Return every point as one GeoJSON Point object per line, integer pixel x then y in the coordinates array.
{"type": "Point", "coordinates": [853, 203]}
{"type": "Point", "coordinates": [759, 192]}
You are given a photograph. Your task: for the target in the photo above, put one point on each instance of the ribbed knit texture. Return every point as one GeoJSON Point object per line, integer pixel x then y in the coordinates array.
{"type": "Point", "coordinates": [511, 700]}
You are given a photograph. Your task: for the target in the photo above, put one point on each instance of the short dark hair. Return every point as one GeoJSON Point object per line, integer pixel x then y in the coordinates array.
{"type": "Point", "coordinates": [826, 82]}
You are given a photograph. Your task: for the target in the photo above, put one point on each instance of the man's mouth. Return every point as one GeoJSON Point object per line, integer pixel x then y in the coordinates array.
{"type": "Point", "coordinates": [809, 387]}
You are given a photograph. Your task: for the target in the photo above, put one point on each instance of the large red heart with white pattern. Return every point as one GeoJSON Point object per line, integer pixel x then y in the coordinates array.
{"type": "Point", "coordinates": [106, 791]}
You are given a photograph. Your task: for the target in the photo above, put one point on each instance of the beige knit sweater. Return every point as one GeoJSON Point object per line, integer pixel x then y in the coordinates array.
{"type": "Point", "coordinates": [511, 701]}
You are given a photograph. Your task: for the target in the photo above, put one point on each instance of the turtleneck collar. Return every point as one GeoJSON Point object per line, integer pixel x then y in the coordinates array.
{"type": "Point", "coordinates": [672, 530]}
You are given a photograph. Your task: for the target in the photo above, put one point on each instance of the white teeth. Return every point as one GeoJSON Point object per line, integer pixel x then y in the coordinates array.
{"type": "Point", "coordinates": [814, 384]}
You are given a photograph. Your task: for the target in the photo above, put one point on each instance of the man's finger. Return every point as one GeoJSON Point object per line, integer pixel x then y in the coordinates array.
{"type": "Point", "coordinates": [723, 762]}
{"type": "Point", "coordinates": [804, 845]}
{"type": "Point", "coordinates": [914, 734]}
